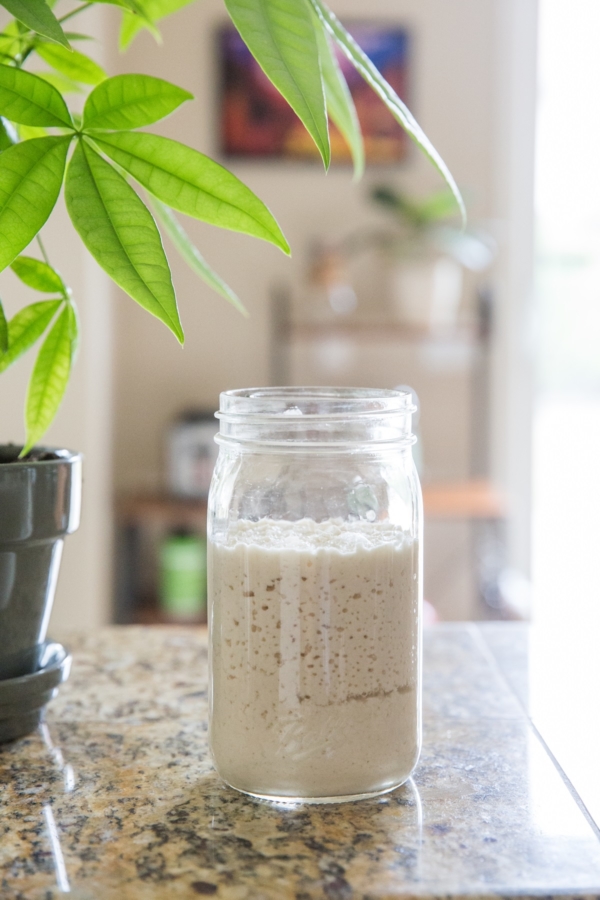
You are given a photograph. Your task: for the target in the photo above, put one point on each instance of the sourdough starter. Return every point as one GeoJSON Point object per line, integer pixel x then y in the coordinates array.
{"type": "Point", "coordinates": [315, 657]}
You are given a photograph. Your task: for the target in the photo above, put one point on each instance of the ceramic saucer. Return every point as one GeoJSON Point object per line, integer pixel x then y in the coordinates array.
{"type": "Point", "coordinates": [22, 700]}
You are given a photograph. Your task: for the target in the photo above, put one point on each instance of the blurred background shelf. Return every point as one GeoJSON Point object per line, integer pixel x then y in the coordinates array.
{"type": "Point", "coordinates": [145, 520]}
{"type": "Point", "coordinates": [476, 499]}
{"type": "Point", "coordinates": [384, 330]}
{"type": "Point", "coordinates": [161, 509]}
{"type": "Point", "coordinates": [145, 524]}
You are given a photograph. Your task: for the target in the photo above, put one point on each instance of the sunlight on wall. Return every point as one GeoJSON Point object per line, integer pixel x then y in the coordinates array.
{"type": "Point", "coordinates": [565, 665]}
{"type": "Point", "coordinates": [567, 422]}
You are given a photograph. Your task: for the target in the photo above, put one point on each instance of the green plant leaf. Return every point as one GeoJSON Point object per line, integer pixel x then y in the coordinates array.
{"type": "Point", "coordinates": [38, 275]}
{"type": "Point", "coordinates": [377, 82]}
{"type": "Point", "coordinates": [131, 25]}
{"type": "Point", "coordinates": [50, 377]}
{"type": "Point", "coordinates": [31, 175]}
{"type": "Point", "coordinates": [281, 37]}
{"type": "Point", "coordinates": [26, 327]}
{"type": "Point", "coordinates": [120, 233]}
{"type": "Point", "coordinates": [192, 183]}
{"type": "Point", "coordinates": [77, 36]}
{"type": "Point", "coordinates": [75, 65]}
{"type": "Point", "coordinates": [11, 42]}
{"type": "Point", "coordinates": [62, 84]}
{"type": "Point", "coordinates": [28, 132]}
{"type": "Point", "coordinates": [29, 100]}
{"type": "Point", "coordinates": [137, 7]}
{"type": "Point", "coordinates": [3, 331]}
{"type": "Point", "coordinates": [155, 11]}
{"type": "Point", "coordinates": [130, 101]}
{"type": "Point", "coordinates": [13, 29]}
{"type": "Point", "coordinates": [8, 134]}
{"type": "Point", "coordinates": [192, 256]}
{"type": "Point", "coordinates": [76, 333]}
{"type": "Point", "coordinates": [37, 15]}
{"type": "Point", "coordinates": [124, 4]}
{"type": "Point", "coordinates": [340, 105]}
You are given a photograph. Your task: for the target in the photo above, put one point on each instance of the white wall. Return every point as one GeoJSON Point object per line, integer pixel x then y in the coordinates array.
{"type": "Point", "coordinates": [453, 96]}
{"type": "Point", "coordinates": [473, 91]}
{"type": "Point", "coordinates": [515, 97]}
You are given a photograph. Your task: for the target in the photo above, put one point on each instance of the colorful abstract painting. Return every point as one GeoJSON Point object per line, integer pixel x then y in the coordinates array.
{"type": "Point", "coordinates": [256, 122]}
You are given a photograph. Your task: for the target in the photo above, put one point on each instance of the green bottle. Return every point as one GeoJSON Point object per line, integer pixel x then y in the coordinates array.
{"type": "Point", "coordinates": [183, 577]}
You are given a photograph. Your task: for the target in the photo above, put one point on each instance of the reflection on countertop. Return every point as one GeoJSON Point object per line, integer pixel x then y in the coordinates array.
{"type": "Point", "coordinates": [115, 796]}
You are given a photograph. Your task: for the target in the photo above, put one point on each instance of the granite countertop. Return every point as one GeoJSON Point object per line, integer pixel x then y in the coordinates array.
{"type": "Point", "coordinates": [115, 797]}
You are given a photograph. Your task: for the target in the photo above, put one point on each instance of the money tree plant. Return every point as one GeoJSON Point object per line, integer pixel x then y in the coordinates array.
{"type": "Point", "coordinates": [106, 164]}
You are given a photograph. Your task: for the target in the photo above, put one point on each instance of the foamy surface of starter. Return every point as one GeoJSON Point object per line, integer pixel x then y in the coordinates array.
{"type": "Point", "coordinates": [315, 656]}
{"type": "Point", "coordinates": [306, 534]}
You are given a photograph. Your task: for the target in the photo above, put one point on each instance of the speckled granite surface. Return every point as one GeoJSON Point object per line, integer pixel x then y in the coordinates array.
{"type": "Point", "coordinates": [115, 798]}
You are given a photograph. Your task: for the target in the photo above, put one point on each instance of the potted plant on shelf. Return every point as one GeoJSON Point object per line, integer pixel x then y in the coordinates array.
{"type": "Point", "coordinates": [425, 255]}
{"type": "Point", "coordinates": [104, 163]}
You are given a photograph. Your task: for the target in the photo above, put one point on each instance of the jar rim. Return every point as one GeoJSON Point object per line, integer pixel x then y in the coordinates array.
{"type": "Point", "coordinates": [270, 404]}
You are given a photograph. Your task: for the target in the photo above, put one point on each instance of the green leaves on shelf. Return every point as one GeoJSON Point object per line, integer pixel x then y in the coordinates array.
{"type": "Point", "coordinates": [37, 15]}
{"type": "Point", "coordinates": [39, 275]}
{"type": "Point", "coordinates": [131, 101]}
{"type": "Point", "coordinates": [281, 36]}
{"type": "Point", "coordinates": [120, 233]}
{"type": "Point", "coordinates": [26, 327]}
{"type": "Point", "coordinates": [340, 105]}
{"type": "Point", "coordinates": [50, 376]}
{"type": "Point", "coordinates": [71, 63]}
{"type": "Point", "coordinates": [27, 99]}
{"type": "Point", "coordinates": [192, 183]}
{"type": "Point", "coordinates": [31, 176]}
{"type": "Point", "coordinates": [385, 92]}
{"type": "Point", "coordinates": [192, 255]}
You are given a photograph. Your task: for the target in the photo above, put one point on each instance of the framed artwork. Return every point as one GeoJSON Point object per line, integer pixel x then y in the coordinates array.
{"type": "Point", "coordinates": [257, 123]}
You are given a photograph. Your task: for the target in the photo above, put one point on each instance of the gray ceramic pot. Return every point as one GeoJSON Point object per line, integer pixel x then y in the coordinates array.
{"type": "Point", "coordinates": [40, 500]}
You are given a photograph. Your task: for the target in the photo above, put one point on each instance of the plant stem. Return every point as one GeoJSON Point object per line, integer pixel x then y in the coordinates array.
{"type": "Point", "coordinates": [25, 54]}
{"type": "Point", "coordinates": [67, 291]}
{"type": "Point", "coordinates": [43, 249]}
{"type": "Point", "coordinates": [74, 12]}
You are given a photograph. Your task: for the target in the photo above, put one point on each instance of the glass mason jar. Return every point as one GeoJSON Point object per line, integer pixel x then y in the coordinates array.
{"type": "Point", "coordinates": [314, 555]}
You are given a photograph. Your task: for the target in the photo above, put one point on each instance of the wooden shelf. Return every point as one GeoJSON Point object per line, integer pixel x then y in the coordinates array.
{"type": "Point", "coordinates": [376, 331]}
{"type": "Point", "coordinates": [162, 509]}
{"type": "Point", "coordinates": [154, 514]}
{"type": "Point", "coordinates": [476, 499]}
{"type": "Point", "coordinates": [143, 521]}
